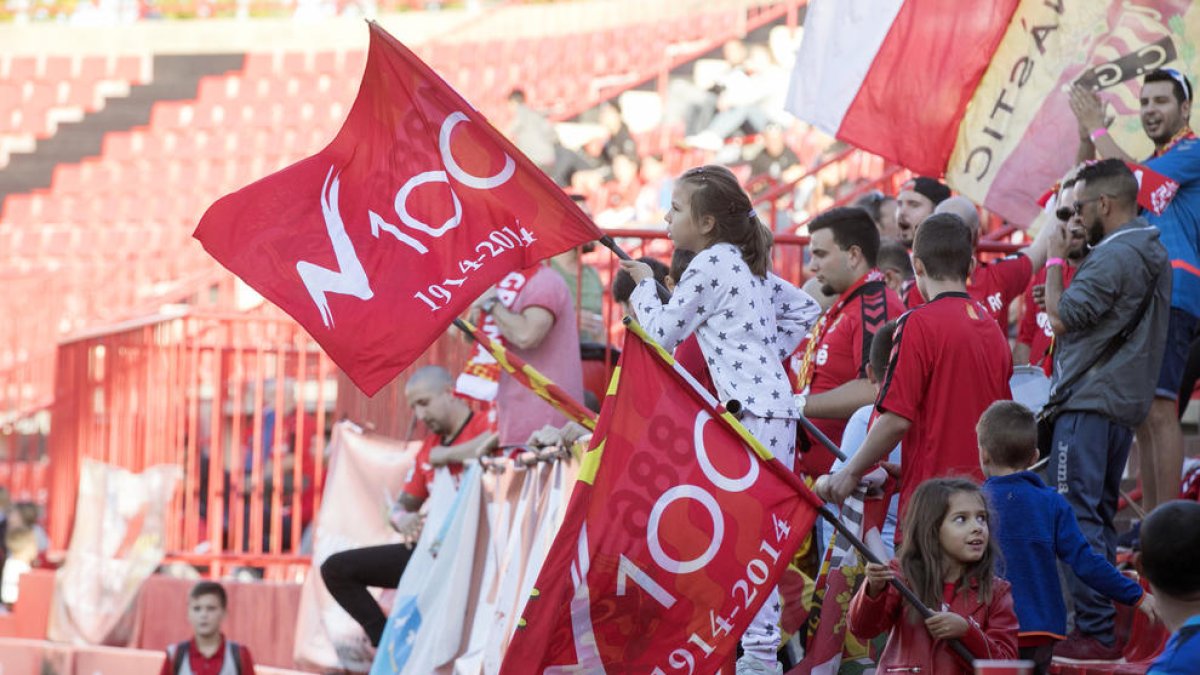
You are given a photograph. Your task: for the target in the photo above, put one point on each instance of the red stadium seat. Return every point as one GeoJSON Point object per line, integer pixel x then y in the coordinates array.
{"type": "Point", "coordinates": [22, 68]}
{"type": "Point", "coordinates": [129, 69]}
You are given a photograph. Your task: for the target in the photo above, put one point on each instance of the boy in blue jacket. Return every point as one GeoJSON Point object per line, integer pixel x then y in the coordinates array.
{"type": "Point", "coordinates": [1170, 549]}
{"type": "Point", "coordinates": [1036, 528]}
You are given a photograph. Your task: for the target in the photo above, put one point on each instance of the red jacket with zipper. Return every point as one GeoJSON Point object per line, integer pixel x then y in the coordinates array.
{"type": "Point", "coordinates": [992, 631]}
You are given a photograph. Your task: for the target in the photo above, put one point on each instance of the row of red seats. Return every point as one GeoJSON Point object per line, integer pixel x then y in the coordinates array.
{"type": "Point", "coordinates": [33, 86]}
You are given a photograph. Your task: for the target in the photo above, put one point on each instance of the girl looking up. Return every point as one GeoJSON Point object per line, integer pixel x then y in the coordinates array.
{"type": "Point", "coordinates": [746, 319]}
{"type": "Point", "coordinates": [948, 559]}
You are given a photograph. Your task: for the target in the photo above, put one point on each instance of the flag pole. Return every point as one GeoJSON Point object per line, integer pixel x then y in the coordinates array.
{"type": "Point", "coordinates": [792, 479]}
{"type": "Point", "coordinates": [665, 295]}
{"type": "Point", "coordinates": [735, 406]}
{"type": "Point", "coordinates": [539, 384]}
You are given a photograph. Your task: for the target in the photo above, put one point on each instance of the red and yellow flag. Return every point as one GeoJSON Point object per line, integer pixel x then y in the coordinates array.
{"type": "Point", "coordinates": [677, 531]}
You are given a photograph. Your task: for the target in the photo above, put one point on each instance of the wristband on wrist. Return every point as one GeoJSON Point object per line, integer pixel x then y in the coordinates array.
{"type": "Point", "coordinates": [1102, 131]}
{"type": "Point", "coordinates": [1055, 261]}
{"type": "Point", "coordinates": [489, 305]}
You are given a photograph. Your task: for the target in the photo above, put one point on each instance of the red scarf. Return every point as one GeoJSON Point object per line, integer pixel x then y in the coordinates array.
{"type": "Point", "coordinates": [480, 377]}
{"type": "Point", "coordinates": [827, 320]}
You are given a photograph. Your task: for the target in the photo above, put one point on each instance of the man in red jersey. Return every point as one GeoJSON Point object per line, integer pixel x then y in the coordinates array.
{"type": "Point", "coordinates": [456, 434]}
{"type": "Point", "coordinates": [996, 284]}
{"type": "Point", "coordinates": [950, 361]}
{"type": "Point", "coordinates": [1035, 337]}
{"type": "Point", "coordinates": [833, 372]}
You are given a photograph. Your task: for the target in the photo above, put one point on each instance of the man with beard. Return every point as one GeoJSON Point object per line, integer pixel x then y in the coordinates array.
{"type": "Point", "coordinates": [916, 202]}
{"type": "Point", "coordinates": [833, 372]}
{"type": "Point", "coordinates": [1166, 104]}
{"type": "Point", "coordinates": [1035, 338]}
{"type": "Point", "coordinates": [1110, 326]}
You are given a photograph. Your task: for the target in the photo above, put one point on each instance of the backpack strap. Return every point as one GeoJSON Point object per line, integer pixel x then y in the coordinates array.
{"type": "Point", "coordinates": [178, 653]}
{"type": "Point", "coordinates": [235, 651]}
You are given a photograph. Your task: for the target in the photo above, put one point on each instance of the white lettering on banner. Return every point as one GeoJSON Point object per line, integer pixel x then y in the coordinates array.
{"type": "Point", "coordinates": [350, 278]}
{"type": "Point", "coordinates": [742, 593]}
{"type": "Point", "coordinates": [706, 500]}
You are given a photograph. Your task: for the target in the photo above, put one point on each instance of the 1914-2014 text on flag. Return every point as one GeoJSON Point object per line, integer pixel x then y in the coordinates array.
{"type": "Point", "coordinates": [677, 532]}
{"type": "Point", "coordinates": [378, 241]}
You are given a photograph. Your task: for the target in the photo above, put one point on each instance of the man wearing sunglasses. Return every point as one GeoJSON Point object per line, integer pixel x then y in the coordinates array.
{"type": "Point", "coordinates": [1035, 338]}
{"type": "Point", "coordinates": [1110, 326]}
{"type": "Point", "coordinates": [1166, 103]}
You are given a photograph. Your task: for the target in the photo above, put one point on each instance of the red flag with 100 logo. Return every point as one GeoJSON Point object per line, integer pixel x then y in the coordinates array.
{"type": "Point", "coordinates": [677, 531]}
{"type": "Point", "coordinates": [378, 241]}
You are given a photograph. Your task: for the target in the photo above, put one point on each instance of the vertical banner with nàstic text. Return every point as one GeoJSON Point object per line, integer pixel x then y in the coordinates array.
{"type": "Point", "coordinates": [675, 535]}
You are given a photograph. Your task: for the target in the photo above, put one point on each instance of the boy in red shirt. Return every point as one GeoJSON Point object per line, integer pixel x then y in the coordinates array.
{"type": "Point", "coordinates": [949, 363]}
{"type": "Point", "coordinates": [208, 652]}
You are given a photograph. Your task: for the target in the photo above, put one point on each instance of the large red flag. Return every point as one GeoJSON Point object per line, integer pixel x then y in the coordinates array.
{"type": "Point", "coordinates": [679, 527]}
{"type": "Point", "coordinates": [378, 241]}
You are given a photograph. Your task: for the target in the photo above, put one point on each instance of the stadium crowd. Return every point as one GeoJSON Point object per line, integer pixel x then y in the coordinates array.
{"type": "Point", "coordinates": [906, 364]}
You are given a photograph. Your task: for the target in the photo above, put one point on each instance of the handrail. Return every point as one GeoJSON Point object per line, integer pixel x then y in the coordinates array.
{"type": "Point", "coordinates": [671, 61]}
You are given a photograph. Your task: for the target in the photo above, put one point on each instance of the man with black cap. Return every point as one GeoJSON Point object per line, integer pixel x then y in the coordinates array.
{"type": "Point", "coordinates": [916, 202]}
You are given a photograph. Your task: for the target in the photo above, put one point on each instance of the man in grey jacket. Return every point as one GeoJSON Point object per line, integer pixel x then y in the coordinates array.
{"type": "Point", "coordinates": [1111, 326]}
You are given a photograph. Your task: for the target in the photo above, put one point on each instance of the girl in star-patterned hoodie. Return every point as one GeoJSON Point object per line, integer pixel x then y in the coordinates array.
{"type": "Point", "coordinates": [746, 319]}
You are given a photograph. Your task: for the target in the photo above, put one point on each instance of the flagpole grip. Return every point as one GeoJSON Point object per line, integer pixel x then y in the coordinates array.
{"type": "Point", "coordinates": [905, 591]}
{"type": "Point", "coordinates": [663, 294]}
{"type": "Point", "coordinates": [821, 438]}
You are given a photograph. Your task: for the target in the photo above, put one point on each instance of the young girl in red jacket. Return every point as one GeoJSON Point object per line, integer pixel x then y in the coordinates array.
{"type": "Point", "coordinates": [947, 558]}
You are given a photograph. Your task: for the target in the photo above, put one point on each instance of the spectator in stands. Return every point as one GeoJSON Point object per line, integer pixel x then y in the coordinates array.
{"type": "Point", "coordinates": [926, 399]}
{"type": "Point", "coordinates": [995, 284]}
{"type": "Point", "coordinates": [695, 105]}
{"type": "Point", "coordinates": [1110, 328]}
{"type": "Point", "coordinates": [746, 97]}
{"type": "Point", "coordinates": [775, 160]}
{"type": "Point", "coordinates": [1170, 549]}
{"type": "Point", "coordinates": [584, 285]}
{"type": "Point", "coordinates": [1035, 527]}
{"type": "Point", "coordinates": [623, 285]}
{"type": "Point", "coordinates": [620, 140]}
{"type": "Point", "coordinates": [833, 380]}
{"type": "Point", "coordinates": [1035, 337]}
{"type": "Point", "coordinates": [297, 436]}
{"type": "Point", "coordinates": [207, 651]}
{"type": "Point", "coordinates": [621, 193]}
{"type": "Point", "coordinates": [5, 507]}
{"type": "Point", "coordinates": [882, 210]}
{"type": "Point", "coordinates": [916, 202]}
{"type": "Point", "coordinates": [531, 132]}
{"type": "Point", "coordinates": [1166, 105]}
{"type": "Point", "coordinates": [858, 424]}
{"type": "Point", "coordinates": [894, 261]}
{"type": "Point", "coordinates": [535, 313]}
{"type": "Point", "coordinates": [456, 435]}
{"type": "Point", "coordinates": [26, 543]}
{"type": "Point", "coordinates": [654, 199]}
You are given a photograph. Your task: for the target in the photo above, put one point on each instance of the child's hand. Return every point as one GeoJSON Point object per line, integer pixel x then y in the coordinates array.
{"type": "Point", "coordinates": [638, 270]}
{"type": "Point", "coordinates": [946, 625]}
{"type": "Point", "coordinates": [878, 576]}
{"type": "Point", "coordinates": [1149, 607]}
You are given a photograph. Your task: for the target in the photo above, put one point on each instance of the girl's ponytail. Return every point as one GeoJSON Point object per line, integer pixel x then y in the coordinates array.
{"type": "Point", "coordinates": [716, 193]}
